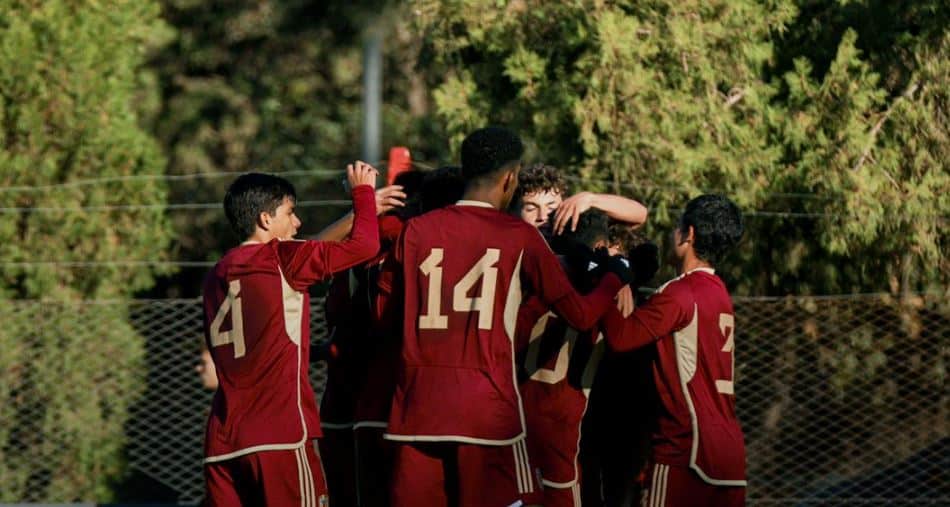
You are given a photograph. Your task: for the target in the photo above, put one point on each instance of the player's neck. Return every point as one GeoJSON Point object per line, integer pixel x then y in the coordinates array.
{"type": "Point", "coordinates": [690, 263]}
{"type": "Point", "coordinates": [259, 236]}
{"type": "Point", "coordinates": [483, 194]}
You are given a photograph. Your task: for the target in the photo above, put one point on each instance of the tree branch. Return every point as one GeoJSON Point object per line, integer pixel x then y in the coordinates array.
{"type": "Point", "coordinates": [880, 123]}
{"type": "Point", "coordinates": [734, 98]}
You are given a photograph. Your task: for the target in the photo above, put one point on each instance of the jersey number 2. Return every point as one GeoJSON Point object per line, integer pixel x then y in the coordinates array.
{"type": "Point", "coordinates": [236, 334]}
{"type": "Point", "coordinates": [727, 324]}
{"type": "Point", "coordinates": [484, 303]}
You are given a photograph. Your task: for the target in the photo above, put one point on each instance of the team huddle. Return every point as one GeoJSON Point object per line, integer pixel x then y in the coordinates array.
{"type": "Point", "coordinates": [469, 311]}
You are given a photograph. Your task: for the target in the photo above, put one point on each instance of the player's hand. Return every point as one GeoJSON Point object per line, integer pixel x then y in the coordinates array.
{"type": "Point", "coordinates": [615, 264]}
{"type": "Point", "coordinates": [361, 173]}
{"type": "Point", "coordinates": [577, 254]}
{"type": "Point", "coordinates": [625, 302]}
{"type": "Point", "coordinates": [389, 198]}
{"type": "Point", "coordinates": [645, 261]}
{"type": "Point", "coordinates": [569, 212]}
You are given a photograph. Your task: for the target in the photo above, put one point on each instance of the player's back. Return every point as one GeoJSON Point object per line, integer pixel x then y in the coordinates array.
{"type": "Point", "coordinates": [560, 363]}
{"type": "Point", "coordinates": [258, 331]}
{"type": "Point", "coordinates": [694, 374]}
{"type": "Point", "coordinates": [462, 272]}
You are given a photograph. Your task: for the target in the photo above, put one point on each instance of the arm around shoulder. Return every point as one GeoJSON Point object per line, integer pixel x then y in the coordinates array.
{"type": "Point", "coordinates": [621, 209]}
{"type": "Point", "coordinates": [661, 315]}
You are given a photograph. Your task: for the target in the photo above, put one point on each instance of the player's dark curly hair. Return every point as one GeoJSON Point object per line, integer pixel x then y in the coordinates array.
{"type": "Point", "coordinates": [625, 238]}
{"type": "Point", "coordinates": [442, 187]}
{"type": "Point", "coordinates": [488, 150]}
{"type": "Point", "coordinates": [252, 194]}
{"type": "Point", "coordinates": [717, 223]}
{"type": "Point", "coordinates": [540, 178]}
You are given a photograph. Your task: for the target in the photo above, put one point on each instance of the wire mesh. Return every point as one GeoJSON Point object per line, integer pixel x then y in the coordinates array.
{"type": "Point", "coordinates": [843, 400]}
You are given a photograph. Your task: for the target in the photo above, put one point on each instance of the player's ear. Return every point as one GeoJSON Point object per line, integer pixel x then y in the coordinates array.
{"type": "Point", "coordinates": [511, 179]}
{"type": "Point", "coordinates": [690, 235]}
{"type": "Point", "coordinates": [264, 220]}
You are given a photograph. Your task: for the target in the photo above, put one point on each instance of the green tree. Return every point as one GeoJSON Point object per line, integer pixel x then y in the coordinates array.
{"type": "Point", "coordinates": [69, 80]}
{"type": "Point", "coordinates": [274, 86]}
{"type": "Point", "coordinates": [843, 174]}
{"type": "Point", "coordinates": [827, 121]}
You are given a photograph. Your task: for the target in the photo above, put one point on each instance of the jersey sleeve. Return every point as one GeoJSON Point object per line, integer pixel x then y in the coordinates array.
{"type": "Point", "coordinates": [663, 314]}
{"type": "Point", "coordinates": [547, 278]}
{"type": "Point", "coordinates": [307, 262]}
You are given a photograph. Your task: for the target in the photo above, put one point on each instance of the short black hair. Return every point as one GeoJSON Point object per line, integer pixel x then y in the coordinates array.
{"type": "Point", "coordinates": [411, 182]}
{"type": "Point", "coordinates": [540, 178]}
{"type": "Point", "coordinates": [591, 228]}
{"type": "Point", "coordinates": [489, 150]}
{"type": "Point", "coordinates": [717, 223]}
{"type": "Point", "coordinates": [252, 194]}
{"type": "Point", "coordinates": [442, 187]}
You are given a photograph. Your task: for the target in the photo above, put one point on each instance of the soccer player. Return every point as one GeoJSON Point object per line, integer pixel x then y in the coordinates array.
{"type": "Point", "coordinates": [541, 201]}
{"type": "Point", "coordinates": [615, 443]}
{"type": "Point", "coordinates": [258, 444]}
{"type": "Point", "coordinates": [459, 272]}
{"type": "Point", "coordinates": [350, 346]}
{"type": "Point", "coordinates": [698, 450]}
{"type": "Point", "coordinates": [561, 362]}
{"type": "Point", "coordinates": [374, 455]}
{"type": "Point", "coordinates": [559, 367]}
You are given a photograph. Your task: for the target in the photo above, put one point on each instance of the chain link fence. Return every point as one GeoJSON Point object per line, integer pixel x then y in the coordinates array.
{"type": "Point", "coordinates": [844, 400]}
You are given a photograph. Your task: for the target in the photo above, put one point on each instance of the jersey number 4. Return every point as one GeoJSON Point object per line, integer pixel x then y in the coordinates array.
{"type": "Point", "coordinates": [236, 334]}
{"type": "Point", "coordinates": [484, 270]}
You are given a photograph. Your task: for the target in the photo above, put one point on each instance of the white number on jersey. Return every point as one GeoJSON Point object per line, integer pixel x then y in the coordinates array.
{"type": "Point", "coordinates": [236, 334]}
{"type": "Point", "coordinates": [433, 319]}
{"type": "Point", "coordinates": [546, 375]}
{"type": "Point", "coordinates": [727, 324]}
{"type": "Point", "coordinates": [563, 361]}
{"type": "Point", "coordinates": [484, 270]}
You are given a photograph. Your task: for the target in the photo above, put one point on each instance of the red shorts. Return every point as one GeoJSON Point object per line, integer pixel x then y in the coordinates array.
{"type": "Point", "coordinates": [282, 478]}
{"type": "Point", "coordinates": [374, 466]}
{"type": "Point", "coordinates": [465, 475]}
{"type": "Point", "coordinates": [336, 453]}
{"type": "Point", "coordinates": [675, 486]}
{"type": "Point", "coordinates": [562, 497]}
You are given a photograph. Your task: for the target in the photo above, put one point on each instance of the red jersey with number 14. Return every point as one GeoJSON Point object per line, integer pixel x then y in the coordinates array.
{"type": "Point", "coordinates": [462, 270]}
{"type": "Point", "coordinates": [257, 327]}
{"type": "Point", "coordinates": [692, 322]}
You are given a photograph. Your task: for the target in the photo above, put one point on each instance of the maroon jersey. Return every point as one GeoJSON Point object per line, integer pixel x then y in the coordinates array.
{"type": "Point", "coordinates": [359, 363]}
{"type": "Point", "coordinates": [257, 328]}
{"type": "Point", "coordinates": [559, 367]}
{"type": "Point", "coordinates": [692, 321]}
{"type": "Point", "coordinates": [460, 271]}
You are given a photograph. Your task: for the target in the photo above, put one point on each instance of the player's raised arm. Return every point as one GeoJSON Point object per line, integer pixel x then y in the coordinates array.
{"type": "Point", "coordinates": [618, 208]}
{"type": "Point", "coordinates": [315, 260]}
{"type": "Point", "coordinates": [387, 199]}
{"type": "Point", "coordinates": [661, 315]}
